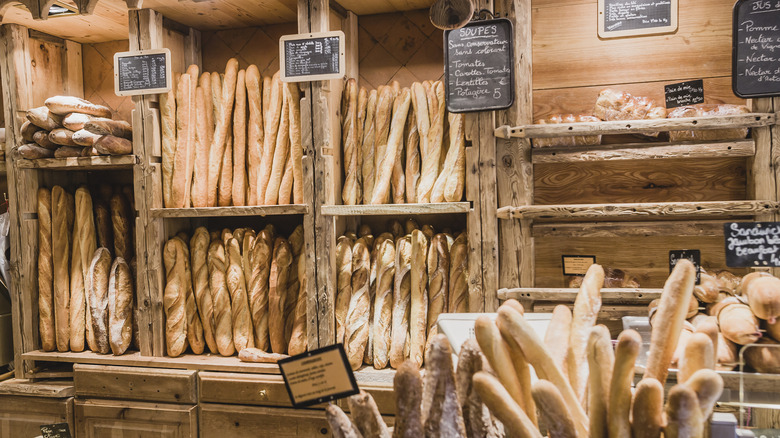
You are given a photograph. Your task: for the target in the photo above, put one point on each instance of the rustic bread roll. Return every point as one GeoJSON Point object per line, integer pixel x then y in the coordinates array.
{"type": "Point", "coordinates": [401, 301]}
{"type": "Point", "coordinates": [438, 281]}
{"type": "Point", "coordinates": [281, 151]}
{"type": "Point", "coordinates": [669, 319]}
{"type": "Point", "coordinates": [62, 222]}
{"type": "Point", "coordinates": [200, 283]}
{"type": "Point", "coordinates": [356, 328]}
{"type": "Point", "coordinates": [272, 122]}
{"type": "Point", "coordinates": [255, 137]}
{"type": "Point", "coordinates": [601, 360]}
{"type": "Point", "coordinates": [120, 307]}
{"type": "Point", "coordinates": [299, 338]}
{"type": "Point", "coordinates": [224, 114]}
{"type": "Point", "coordinates": [32, 151]}
{"type": "Point", "coordinates": [556, 338]}
{"type": "Point", "coordinates": [44, 119]}
{"type": "Point", "coordinates": [343, 284]}
{"type": "Point", "coordinates": [223, 319]}
{"type": "Point", "coordinates": [41, 138]}
{"type": "Point", "coordinates": [367, 146]}
{"type": "Point", "coordinates": [28, 130]}
{"type": "Point", "coordinates": [122, 227]}
{"type": "Point", "coordinates": [340, 424]}
{"type": "Point", "coordinates": [120, 128]}
{"type": "Point", "coordinates": [386, 159]}
{"type": "Point", "coordinates": [497, 353]}
{"type": "Point", "coordinates": [46, 326]}
{"type": "Point", "coordinates": [168, 134]}
{"type": "Point", "coordinates": [110, 145]}
{"type": "Point", "coordinates": [763, 295]}
{"type": "Point", "coordinates": [239, 141]}
{"type": "Point", "coordinates": [351, 143]}
{"type": "Point", "coordinates": [236, 283]}
{"type": "Point", "coordinates": [260, 259]}
{"type": "Point", "coordinates": [366, 416]}
{"type": "Point", "coordinates": [619, 410]}
{"type": "Point", "coordinates": [647, 411]}
{"type": "Point", "coordinates": [277, 293]}
{"type": "Point", "coordinates": [85, 138]}
{"type": "Point", "coordinates": [418, 314]}
{"type": "Point", "coordinates": [707, 290]}
{"type": "Point", "coordinates": [684, 417]}
{"type": "Point", "coordinates": [746, 280]}
{"type": "Point", "coordinates": [553, 410]}
{"type": "Point", "coordinates": [586, 310]}
{"type": "Point", "coordinates": [501, 404]}
{"type": "Point", "coordinates": [63, 105]}
{"type": "Point", "coordinates": [383, 303]}
{"type": "Point", "coordinates": [736, 321]}
{"type": "Point", "coordinates": [97, 282]}
{"type": "Point", "coordinates": [407, 381]}
{"type": "Point", "coordinates": [441, 413]}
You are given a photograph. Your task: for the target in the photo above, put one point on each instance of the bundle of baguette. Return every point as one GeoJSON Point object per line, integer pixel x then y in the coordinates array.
{"type": "Point", "coordinates": [68, 126]}
{"type": "Point", "coordinates": [231, 139]}
{"type": "Point", "coordinates": [236, 291]}
{"type": "Point", "coordinates": [86, 270]}
{"type": "Point", "coordinates": [401, 145]}
{"type": "Point", "coordinates": [738, 312]}
{"type": "Point", "coordinates": [392, 288]}
{"type": "Point", "coordinates": [584, 387]}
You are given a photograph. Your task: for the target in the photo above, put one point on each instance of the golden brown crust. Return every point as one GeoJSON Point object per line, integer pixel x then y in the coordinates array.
{"type": "Point", "coordinates": [224, 111]}
{"type": "Point", "coordinates": [62, 222]}
{"type": "Point", "coordinates": [236, 283]}
{"type": "Point", "coordinates": [120, 307]}
{"type": "Point", "coordinates": [344, 285]}
{"type": "Point", "coordinates": [174, 298]}
{"type": "Point", "coordinates": [356, 330]}
{"type": "Point", "coordinates": [628, 346]}
{"type": "Point", "coordinates": [223, 319]}
{"type": "Point", "coordinates": [418, 315]}
{"type": "Point", "coordinates": [45, 271]}
{"type": "Point", "coordinates": [255, 135]}
{"type": "Point", "coordinates": [647, 415]}
{"type": "Point", "coordinates": [239, 141]}
{"type": "Point", "coordinates": [350, 143]}
{"type": "Point", "coordinates": [273, 116]}
{"type": "Point", "coordinates": [199, 245]}
{"type": "Point", "coordinates": [277, 293]}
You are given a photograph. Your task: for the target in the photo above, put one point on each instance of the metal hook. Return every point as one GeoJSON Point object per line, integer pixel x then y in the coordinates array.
{"type": "Point", "coordinates": [483, 14]}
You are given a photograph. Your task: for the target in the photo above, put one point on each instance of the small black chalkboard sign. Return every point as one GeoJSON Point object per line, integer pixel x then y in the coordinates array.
{"type": "Point", "coordinates": [636, 17]}
{"type": "Point", "coordinates": [318, 376]}
{"type": "Point", "coordinates": [58, 430]}
{"type": "Point", "coordinates": [752, 244]}
{"type": "Point", "coordinates": [684, 93]}
{"type": "Point", "coordinates": [692, 255]}
{"type": "Point", "coordinates": [142, 72]}
{"type": "Point", "coordinates": [756, 48]}
{"type": "Point", "coordinates": [479, 66]}
{"type": "Point", "coordinates": [312, 57]}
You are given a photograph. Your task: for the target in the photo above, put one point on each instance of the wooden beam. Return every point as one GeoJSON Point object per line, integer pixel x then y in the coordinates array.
{"type": "Point", "coordinates": [636, 126]}
{"type": "Point", "coordinates": [350, 28]}
{"type": "Point", "coordinates": [108, 162]}
{"type": "Point", "coordinates": [644, 151]}
{"type": "Point", "coordinates": [609, 230]}
{"type": "Point", "coordinates": [641, 209]}
{"type": "Point", "coordinates": [395, 209]}
{"type": "Point", "coordinates": [608, 295]}
{"type": "Point", "coordinates": [257, 210]}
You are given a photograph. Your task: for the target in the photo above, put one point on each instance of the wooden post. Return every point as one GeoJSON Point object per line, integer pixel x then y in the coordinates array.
{"type": "Point", "coordinates": [515, 184]}
{"type": "Point", "coordinates": [762, 181]}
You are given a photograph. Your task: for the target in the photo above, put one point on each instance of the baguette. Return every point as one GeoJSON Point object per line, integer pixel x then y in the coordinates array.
{"type": "Point", "coordinates": [69, 151]}
{"type": "Point", "coordinates": [32, 151]}
{"type": "Point", "coordinates": [522, 370]}
{"type": "Point", "coordinates": [120, 307]}
{"type": "Point", "coordinates": [412, 167]}
{"type": "Point", "coordinates": [28, 130]}
{"type": "Point", "coordinates": [296, 145]}
{"type": "Point", "coordinates": [81, 138]}
{"type": "Point", "coordinates": [501, 404]}
{"type": "Point", "coordinates": [225, 191]}
{"type": "Point", "coordinates": [183, 159]}
{"type": "Point", "coordinates": [382, 122]}
{"type": "Point", "coordinates": [277, 293]}
{"type": "Point", "coordinates": [344, 285]}
{"type": "Point", "coordinates": [386, 159]}
{"type": "Point", "coordinates": [476, 417]}
{"type": "Point", "coordinates": [496, 351]}
{"type": "Point", "coordinates": [98, 290]}
{"type": "Point", "coordinates": [553, 410]}
{"type": "Point", "coordinates": [684, 418]}
{"type": "Point", "coordinates": [223, 319]}
{"type": "Point", "coordinates": [78, 300]}
{"type": "Point", "coordinates": [669, 319]}
{"type": "Point", "coordinates": [367, 144]}
{"type": "Point", "coordinates": [362, 105]}
{"type": "Point", "coordinates": [174, 298]}
{"type": "Point", "coordinates": [401, 301]}
{"type": "Point", "coordinates": [62, 136]}
{"type": "Point", "coordinates": [601, 360]}
{"type": "Point", "coordinates": [383, 303]}
{"type": "Point", "coordinates": [458, 280]}
{"type": "Point", "coordinates": [260, 259]}
{"type": "Point", "coordinates": [557, 336]}
{"type": "Point", "coordinates": [586, 310]}
{"type": "Point", "coordinates": [350, 142]}
{"type": "Point", "coordinates": [120, 128]}
{"type": "Point", "coordinates": [709, 326]}
{"type": "Point", "coordinates": [44, 119]}
{"type": "Point", "coordinates": [438, 281]}
{"type": "Point", "coordinates": [708, 386]}
{"type": "Point", "coordinates": [398, 178]}
{"type": "Point", "coordinates": [407, 381]}
{"type": "Point", "coordinates": [46, 312]}
{"type": "Point", "coordinates": [299, 338]}
{"type": "Point", "coordinates": [418, 314]}
{"type": "Point", "coordinates": [267, 89]}
{"type": "Point", "coordinates": [281, 151]}
{"type": "Point", "coordinates": [62, 205]}
{"type": "Point", "coordinates": [366, 416]}
{"type": "Point", "coordinates": [199, 245]}
{"type": "Point", "coordinates": [41, 138]}
{"type": "Point", "coordinates": [168, 134]}
{"type": "Point", "coordinates": [368, 358]}
{"type": "Point", "coordinates": [647, 412]}
{"type": "Point", "coordinates": [699, 354]}
{"type": "Point", "coordinates": [273, 116]}
{"type": "Point", "coordinates": [207, 116]}
{"type": "Point", "coordinates": [199, 193]}
{"type": "Point", "coordinates": [76, 121]}
{"type": "Point", "coordinates": [441, 414]}
{"type": "Point", "coordinates": [293, 282]}
{"type": "Point", "coordinates": [236, 283]}
{"type": "Point", "coordinates": [619, 410]}
{"type": "Point", "coordinates": [431, 154]}
{"type": "Point", "coordinates": [254, 145]}
{"type": "Point", "coordinates": [453, 187]}
{"type": "Point", "coordinates": [341, 426]}
{"type": "Point", "coordinates": [87, 246]}
{"type": "Point", "coordinates": [63, 105]}
{"type": "Point", "coordinates": [120, 219]}
{"type": "Point", "coordinates": [356, 331]}
{"type": "Point", "coordinates": [285, 187]}
{"type": "Point", "coordinates": [104, 226]}
{"type": "Point", "coordinates": [256, 355]}
{"type": "Point", "coordinates": [194, 325]}
{"type": "Point", "coordinates": [224, 114]}
{"type": "Point", "coordinates": [110, 145]}
{"type": "Point", "coordinates": [239, 142]}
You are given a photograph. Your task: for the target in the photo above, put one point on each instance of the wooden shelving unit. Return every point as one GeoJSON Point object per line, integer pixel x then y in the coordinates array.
{"type": "Point", "coordinates": [205, 212]}
{"type": "Point", "coordinates": [79, 163]}
{"type": "Point", "coordinates": [395, 209]}
{"type": "Point", "coordinates": [644, 151]}
{"type": "Point", "coordinates": [608, 295]}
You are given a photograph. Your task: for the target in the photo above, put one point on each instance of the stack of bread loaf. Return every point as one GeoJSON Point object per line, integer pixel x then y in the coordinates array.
{"type": "Point", "coordinates": [86, 270]}
{"type": "Point", "coordinates": [584, 387]}
{"type": "Point", "coordinates": [738, 312]}
{"type": "Point", "coordinates": [231, 139]}
{"type": "Point", "coordinates": [401, 145]}
{"type": "Point", "coordinates": [393, 287]}
{"type": "Point", "coordinates": [68, 126]}
{"type": "Point", "coordinates": [236, 291]}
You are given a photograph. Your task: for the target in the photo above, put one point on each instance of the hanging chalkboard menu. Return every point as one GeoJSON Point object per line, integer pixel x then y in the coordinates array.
{"type": "Point", "coordinates": [619, 18]}
{"type": "Point", "coordinates": [142, 72]}
{"type": "Point", "coordinates": [684, 93]}
{"type": "Point", "coordinates": [756, 49]}
{"type": "Point", "coordinates": [752, 244]}
{"type": "Point", "coordinates": [312, 57]}
{"type": "Point", "coordinates": [479, 66]}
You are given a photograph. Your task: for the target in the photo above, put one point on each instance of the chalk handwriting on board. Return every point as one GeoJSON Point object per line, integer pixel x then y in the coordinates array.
{"type": "Point", "coordinates": [478, 68]}
{"type": "Point", "coordinates": [309, 57]}
{"type": "Point", "coordinates": [756, 48]}
{"type": "Point", "coordinates": [752, 244]}
{"type": "Point", "coordinates": [636, 17]}
{"type": "Point", "coordinates": [684, 93]}
{"type": "Point", "coordinates": [142, 72]}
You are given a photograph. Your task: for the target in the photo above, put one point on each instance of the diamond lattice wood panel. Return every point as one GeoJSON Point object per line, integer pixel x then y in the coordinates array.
{"type": "Point", "coordinates": [98, 64]}
{"type": "Point", "coordinates": [251, 45]}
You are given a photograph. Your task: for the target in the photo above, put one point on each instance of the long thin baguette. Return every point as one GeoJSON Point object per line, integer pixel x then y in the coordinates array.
{"type": "Point", "coordinates": [299, 337]}
{"type": "Point", "coordinates": [356, 332]}
{"type": "Point", "coordinates": [441, 412]}
{"type": "Point", "coordinates": [277, 293]}
{"type": "Point", "coordinates": [418, 316]}
{"type": "Point", "coordinates": [350, 144]}
{"type": "Point", "coordinates": [708, 386]}
{"type": "Point", "coordinates": [387, 159]}
{"type": "Point", "coordinates": [223, 320]}
{"type": "Point", "coordinates": [382, 122]}
{"type": "Point", "coordinates": [174, 298]}
{"type": "Point", "coordinates": [62, 224]}
{"type": "Point", "coordinates": [496, 351]}
{"type": "Point", "coordinates": [501, 404]}
{"type": "Point", "coordinates": [401, 301]}
{"type": "Point", "coordinates": [254, 145]}
{"type": "Point", "coordinates": [412, 165]}
{"type": "Point", "coordinates": [368, 359]}
{"type": "Point", "coordinates": [383, 303]}
{"type": "Point", "coordinates": [647, 411]}
{"type": "Point", "coordinates": [225, 191]}
{"type": "Point", "coordinates": [168, 131]}
{"type": "Point", "coordinates": [366, 416]}
{"type": "Point", "coordinates": [83, 248]}
{"type": "Point", "coordinates": [476, 416]}
{"type": "Point", "coordinates": [340, 424]}
{"type": "Point", "coordinates": [683, 414]}
{"type": "Point", "coordinates": [601, 360]}
{"type": "Point", "coordinates": [293, 284]}
{"type": "Point", "coordinates": [239, 141]}
{"type": "Point", "coordinates": [367, 143]}
{"type": "Point", "coordinates": [556, 338]}
{"type": "Point", "coordinates": [699, 354]}
{"type": "Point", "coordinates": [360, 119]}
{"type": "Point", "coordinates": [521, 366]}
{"type": "Point", "coordinates": [398, 178]}
{"type": "Point", "coordinates": [344, 285]}
{"type": "Point", "coordinates": [199, 245]}
{"type": "Point", "coordinates": [267, 88]}
{"type": "Point", "coordinates": [456, 180]}
{"type": "Point", "coordinates": [45, 272]}
{"type": "Point", "coordinates": [185, 136]}
{"type": "Point", "coordinates": [553, 410]}
{"type": "Point", "coordinates": [286, 184]}
{"type": "Point", "coordinates": [273, 116]}
{"type": "Point", "coordinates": [431, 156]}
{"type": "Point", "coordinates": [669, 319]}
{"type": "Point", "coordinates": [260, 259]}
{"type": "Point", "coordinates": [225, 114]}
{"type": "Point", "coordinates": [407, 381]}
{"type": "Point", "coordinates": [236, 283]}
{"type": "Point", "coordinates": [422, 115]}
{"type": "Point", "coordinates": [438, 281]}
{"type": "Point", "coordinates": [293, 96]}
{"type": "Point", "coordinates": [199, 193]}
{"type": "Point", "coordinates": [586, 311]}
{"type": "Point", "coordinates": [208, 113]}
{"type": "Point", "coordinates": [629, 343]}
{"type": "Point", "coordinates": [458, 283]}
{"type": "Point", "coordinates": [194, 325]}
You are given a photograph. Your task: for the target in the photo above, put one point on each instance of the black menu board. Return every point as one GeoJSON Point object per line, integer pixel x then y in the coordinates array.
{"type": "Point", "coordinates": [479, 66]}
{"type": "Point", "coordinates": [692, 255]}
{"type": "Point", "coordinates": [756, 48]}
{"type": "Point", "coordinates": [636, 17]}
{"type": "Point", "coordinates": [752, 244]}
{"type": "Point", "coordinates": [312, 57]}
{"type": "Point", "coordinates": [142, 72]}
{"type": "Point", "coordinates": [684, 93]}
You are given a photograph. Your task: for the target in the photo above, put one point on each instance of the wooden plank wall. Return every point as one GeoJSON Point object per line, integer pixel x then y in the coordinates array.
{"type": "Point", "coordinates": [98, 66]}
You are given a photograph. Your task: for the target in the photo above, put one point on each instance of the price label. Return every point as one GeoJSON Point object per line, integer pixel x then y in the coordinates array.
{"type": "Point", "coordinates": [577, 264]}
{"type": "Point", "coordinates": [692, 255]}
{"type": "Point", "coordinates": [312, 56]}
{"type": "Point", "coordinates": [620, 18]}
{"type": "Point", "coordinates": [142, 72]}
{"type": "Point", "coordinates": [318, 376]}
{"type": "Point", "coordinates": [684, 93]}
{"type": "Point", "coordinates": [57, 430]}
{"type": "Point", "coordinates": [752, 244]}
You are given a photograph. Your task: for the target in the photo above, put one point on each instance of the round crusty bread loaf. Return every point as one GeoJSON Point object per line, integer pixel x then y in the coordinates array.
{"type": "Point", "coordinates": [64, 105]}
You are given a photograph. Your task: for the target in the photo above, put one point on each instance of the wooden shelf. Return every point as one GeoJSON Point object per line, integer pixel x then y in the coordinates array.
{"type": "Point", "coordinates": [256, 210]}
{"type": "Point", "coordinates": [636, 126]}
{"type": "Point", "coordinates": [395, 209]}
{"type": "Point", "coordinates": [644, 151]}
{"type": "Point", "coordinates": [208, 362]}
{"type": "Point", "coordinates": [105, 162]}
{"type": "Point", "coordinates": [640, 210]}
{"type": "Point", "coordinates": [608, 295]}
{"type": "Point", "coordinates": [619, 229]}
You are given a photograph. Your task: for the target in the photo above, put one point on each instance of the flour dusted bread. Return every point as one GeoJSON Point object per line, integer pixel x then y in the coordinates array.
{"type": "Point", "coordinates": [99, 272]}
{"type": "Point", "coordinates": [383, 303]}
{"type": "Point", "coordinates": [44, 119]}
{"type": "Point", "coordinates": [356, 330]}
{"type": "Point", "coordinates": [344, 285]}
{"type": "Point", "coordinates": [174, 298]}
{"type": "Point", "coordinates": [281, 264]}
{"type": "Point", "coordinates": [46, 311]}
{"type": "Point", "coordinates": [120, 306]}
{"type": "Point", "coordinates": [63, 105]}
{"type": "Point", "coordinates": [223, 320]}
{"type": "Point", "coordinates": [418, 316]}
{"type": "Point", "coordinates": [402, 288]}
{"type": "Point", "coordinates": [260, 261]}
{"type": "Point", "coordinates": [32, 151]}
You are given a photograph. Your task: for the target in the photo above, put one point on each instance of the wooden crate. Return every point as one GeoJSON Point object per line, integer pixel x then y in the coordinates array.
{"type": "Point", "coordinates": [119, 418]}
{"type": "Point", "coordinates": [25, 406]}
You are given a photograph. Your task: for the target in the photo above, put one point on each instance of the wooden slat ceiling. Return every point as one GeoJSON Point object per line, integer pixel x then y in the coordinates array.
{"type": "Point", "coordinates": [108, 23]}
{"type": "Point", "coordinates": [368, 7]}
{"type": "Point", "coordinates": [226, 14]}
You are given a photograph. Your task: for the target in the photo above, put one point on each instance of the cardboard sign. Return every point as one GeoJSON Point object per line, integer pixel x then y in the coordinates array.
{"type": "Point", "coordinates": [57, 430]}
{"type": "Point", "coordinates": [577, 264]}
{"type": "Point", "coordinates": [756, 49]}
{"type": "Point", "coordinates": [479, 66]}
{"type": "Point", "coordinates": [692, 255]}
{"type": "Point", "coordinates": [684, 93]}
{"type": "Point", "coordinates": [142, 72]}
{"type": "Point", "coordinates": [752, 244]}
{"type": "Point", "coordinates": [620, 18]}
{"type": "Point", "coordinates": [318, 376]}
{"type": "Point", "coordinates": [312, 56]}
